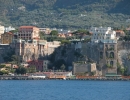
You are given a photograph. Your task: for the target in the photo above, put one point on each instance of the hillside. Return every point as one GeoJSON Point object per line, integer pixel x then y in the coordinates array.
{"type": "Point", "coordinates": [65, 13]}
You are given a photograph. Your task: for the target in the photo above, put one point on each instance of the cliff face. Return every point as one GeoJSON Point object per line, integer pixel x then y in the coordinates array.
{"type": "Point", "coordinates": [124, 55]}
{"type": "Point", "coordinates": [94, 53]}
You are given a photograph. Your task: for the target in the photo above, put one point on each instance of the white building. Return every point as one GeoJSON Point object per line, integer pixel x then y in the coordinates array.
{"type": "Point", "coordinates": [7, 29]}
{"type": "Point", "coordinates": [45, 30]}
{"type": "Point", "coordinates": [2, 28]}
{"type": "Point", "coordinates": [103, 34]}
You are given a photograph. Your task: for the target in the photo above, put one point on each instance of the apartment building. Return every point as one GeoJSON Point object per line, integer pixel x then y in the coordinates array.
{"type": "Point", "coordinates": [28, 32]}
{"type": "Point", "coordinates": [103, 34]}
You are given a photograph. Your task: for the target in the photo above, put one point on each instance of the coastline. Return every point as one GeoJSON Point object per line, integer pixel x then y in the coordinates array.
{"type": "Point", "coordinates": [22, 77]}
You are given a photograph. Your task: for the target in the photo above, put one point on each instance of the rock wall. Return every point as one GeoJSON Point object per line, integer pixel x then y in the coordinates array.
{"type": "Point", "coordinates": [124, 54]}
{"type": "Point", "coordinates": [4, 49]}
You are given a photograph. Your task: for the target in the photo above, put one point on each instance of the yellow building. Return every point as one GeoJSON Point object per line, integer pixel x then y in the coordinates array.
{"type": "Point", "coordinates": [7, 38]}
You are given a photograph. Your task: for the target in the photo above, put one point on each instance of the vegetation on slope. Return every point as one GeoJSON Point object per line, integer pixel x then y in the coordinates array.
{"type": "Point", "coordinates": [65, 13]}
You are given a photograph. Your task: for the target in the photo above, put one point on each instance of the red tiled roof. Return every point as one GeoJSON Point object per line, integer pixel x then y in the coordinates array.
{"type": "Point", "coordinates": [119, 31]}
{"type": "Point", "coordinates": [10, 33]}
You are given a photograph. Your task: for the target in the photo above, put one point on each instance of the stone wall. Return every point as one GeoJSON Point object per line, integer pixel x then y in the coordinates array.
{"type": "Point", "coordinates": [80, 68]}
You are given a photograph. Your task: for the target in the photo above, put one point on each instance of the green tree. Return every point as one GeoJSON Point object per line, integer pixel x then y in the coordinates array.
{"type": "Point", "coordinates": [54, 33]}
{"type": "Point", "coordinates": [122, 70]}
{"type": "Point", "coordinates": [62, 67]}
{"type": "Point", "coordinates": [108, 66]}
{"type": "Point", "coordinates": [14, 58]}
{"type": "Point", "coordinates": [93, 73]}
{"type": "Point", "coordinates": [3, 72]}
{"type": "Point", "coordinates": [41, 35]}
{"type": "Point", "coordinates": [59, 63]}
{"type": "Point", "coordinates": [65, 42]}
{"type": "Point", "coordinates": [21, 70]}
{"type": "Point", "coordinates": [14, 31]}
{"type": "Point", "coordinates": [81, 31]}
{"type": "Point", "coordinates": [2, 66]}
{"type": "Point", "coordinates": [31, 69]}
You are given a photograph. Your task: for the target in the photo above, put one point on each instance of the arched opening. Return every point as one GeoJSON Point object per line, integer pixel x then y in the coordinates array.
{"type": "Point", "coordinates": [111, 54]}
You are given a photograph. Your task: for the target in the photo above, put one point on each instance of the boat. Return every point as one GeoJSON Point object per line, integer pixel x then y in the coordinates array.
{"type": "Point", "coordinates": [37, 76]}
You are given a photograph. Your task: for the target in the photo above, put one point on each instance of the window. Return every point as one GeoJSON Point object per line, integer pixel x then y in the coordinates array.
{"type": "Point", "coordinates": [111, 54]}
{"type": "Point", "coordinates": [111, 63]}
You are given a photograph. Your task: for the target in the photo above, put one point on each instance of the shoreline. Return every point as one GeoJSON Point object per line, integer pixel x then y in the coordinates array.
{"type": "Point", "coordinates": [95, 79]}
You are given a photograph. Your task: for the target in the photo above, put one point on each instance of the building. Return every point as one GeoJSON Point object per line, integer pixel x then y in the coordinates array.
{"type": "Point", "coordinates": [26, 50]}
{"type": "Point", "coordinates": [33, 49]}
{"type": "Point", "coordinates": [84, 69]}
{"type": "Point", "coordinates": [46, 48]}
{"type": "Point", "coordinates": [128, 29]}
{"type": "Point", "coordinates": [7, 29]}
{"type": "Point", "coordinates": [61, 35]}
{"type": "Point", "coordinates": [37, 63]}
{"type": "Point", "coordinates": [2, 28]}
{"type": "Point", "coordinates": [119, 33]}
{"type": "Point", "coordinates": [69, 34]}
{"type": "Point", "coordinates": [103, 34]}
{"type": "Point", "coordinates": [45, 30]}
{"type": "Point", "coordinates": [45, 65]}
{"type": "Point", "coordinates": [106, 41]}
{"type": "Point", "coordinates": [28, 32]}
{"type": "Point", "coordinates": [50, 47]}
{"type": "Point", "coordinates": [7, 38]}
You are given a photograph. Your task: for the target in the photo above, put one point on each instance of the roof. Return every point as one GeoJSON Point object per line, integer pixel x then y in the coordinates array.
{"type": "Point", "coordinates": [119, 31]}
{"type": "Point", "coordinates": [34, 61]}
{"type": "Point", "coordinates": [10, 33]}
{"type": "Point", "coordinates": [28, 27]}
{"type": "Point", "coordinates": [128, 29]}
{"type": "Point", "coordinates": [36, 38]}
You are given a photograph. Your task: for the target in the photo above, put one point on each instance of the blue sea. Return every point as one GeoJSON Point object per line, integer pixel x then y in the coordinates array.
{"type": "Point", "coordinates": [64, 90]}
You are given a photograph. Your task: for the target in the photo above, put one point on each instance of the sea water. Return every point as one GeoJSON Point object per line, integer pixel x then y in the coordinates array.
{"type": "Point", "coordinates": [64, 90]}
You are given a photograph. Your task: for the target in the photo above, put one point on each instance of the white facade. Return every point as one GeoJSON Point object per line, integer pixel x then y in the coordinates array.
{"type": "Point", "coordinates": [103, 34]}
{"type": "Point", "coordinates": [2, 28]}
{"type": "Point", "coordinates": [7, 29]}
{"type": "Point", "coordinates": [46, 30]}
